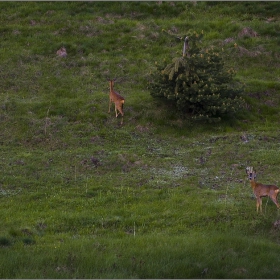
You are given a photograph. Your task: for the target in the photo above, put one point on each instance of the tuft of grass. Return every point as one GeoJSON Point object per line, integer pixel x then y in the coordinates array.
{"type": "Point", "coordinates": [4, 241]}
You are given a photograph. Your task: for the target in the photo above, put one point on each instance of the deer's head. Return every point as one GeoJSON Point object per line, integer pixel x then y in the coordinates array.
{"type": "Point", "coordinates": [251, 173]}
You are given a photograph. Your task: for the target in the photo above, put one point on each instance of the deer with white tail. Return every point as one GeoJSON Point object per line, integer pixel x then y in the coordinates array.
{"type": "Point", "coordinates": [260, 190]}
{"type": "Point", "coordinates": [116, 98]}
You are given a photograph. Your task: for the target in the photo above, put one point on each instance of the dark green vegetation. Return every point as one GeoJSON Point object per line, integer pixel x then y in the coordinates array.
{"type": "Point", "coordinates": [197, 83]}
{"type": "Point", "coordinates": [84, 197]}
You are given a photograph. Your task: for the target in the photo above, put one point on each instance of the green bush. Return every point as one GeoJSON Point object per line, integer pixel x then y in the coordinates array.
{"type": "Point", "coordinates": [198, 82]}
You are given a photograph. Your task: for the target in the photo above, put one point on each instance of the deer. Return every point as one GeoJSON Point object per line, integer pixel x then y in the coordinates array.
{"type": "Point", "coordinates": [260, 190]}
{"type": "Point", "coordinates": [116, 98]}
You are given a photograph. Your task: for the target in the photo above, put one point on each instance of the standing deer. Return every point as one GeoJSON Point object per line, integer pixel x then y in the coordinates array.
{"type": "Point", "coordinates": [261, 190]}
{"type": "Point", "coordinates": [117, 99]}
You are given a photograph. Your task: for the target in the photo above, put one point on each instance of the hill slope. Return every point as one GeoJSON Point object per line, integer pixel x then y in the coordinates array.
{"type": "Point", "coordinates": [158, 197]}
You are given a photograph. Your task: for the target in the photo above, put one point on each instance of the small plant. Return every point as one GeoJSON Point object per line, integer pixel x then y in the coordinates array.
{"type": "Point", "coordinates": [198, 82]}
{"type": "Point", "coordinates": [28, 241]}
{"type": "Point", "coordinates": [4, 241]}
{"type": "Point", "coordinates": [15, 232]}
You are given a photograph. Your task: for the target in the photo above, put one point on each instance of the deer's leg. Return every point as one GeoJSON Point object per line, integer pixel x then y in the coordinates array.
{"type": "Point", "coordinates": [274, 199]}
{"type": "Point", "coordinates": [260, 204]}
{"type": "Point", "coordinates": [119, 109]}
{"type": "Point", "coordinates": [109, 105]}
{"type": "Point", "coordinates": [116, 110]}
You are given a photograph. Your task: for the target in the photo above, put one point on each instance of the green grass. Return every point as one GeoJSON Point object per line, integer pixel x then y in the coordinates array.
{"type": "Point", "coordinates": [190, 256]}
{"type": "Point", "coordinates": [158, 197]}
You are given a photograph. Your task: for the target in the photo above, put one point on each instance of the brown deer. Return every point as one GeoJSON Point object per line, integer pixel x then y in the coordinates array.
{"type": "Point", "coordinates": [117, 99]}
{"type": "Point", "coordinates": [261, 190]}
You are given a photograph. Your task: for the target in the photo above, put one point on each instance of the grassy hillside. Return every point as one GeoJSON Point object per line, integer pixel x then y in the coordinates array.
{"type": "Point", "coordinates": [157, 197]}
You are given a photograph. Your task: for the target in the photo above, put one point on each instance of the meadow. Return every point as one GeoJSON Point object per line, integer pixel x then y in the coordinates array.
{"type": "Point", "coordinates": [82, 196]}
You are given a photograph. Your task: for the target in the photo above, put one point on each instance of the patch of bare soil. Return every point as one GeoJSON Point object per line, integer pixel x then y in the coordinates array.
{"type": "Point", "coordinates": [247, 32]}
